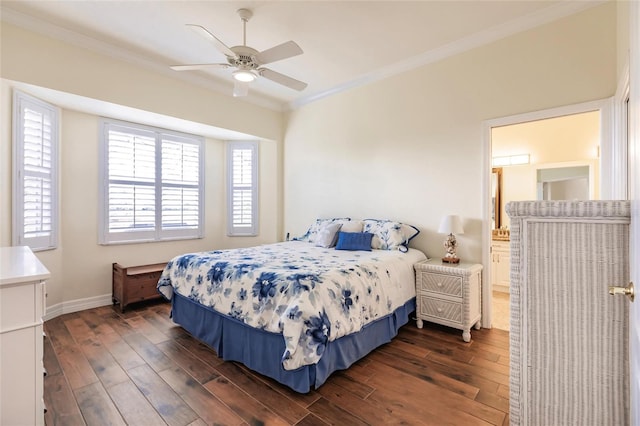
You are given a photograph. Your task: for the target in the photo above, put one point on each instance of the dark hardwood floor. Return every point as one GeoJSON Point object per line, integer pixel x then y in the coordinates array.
{"type": "Point", "coordinates": [139, 368]}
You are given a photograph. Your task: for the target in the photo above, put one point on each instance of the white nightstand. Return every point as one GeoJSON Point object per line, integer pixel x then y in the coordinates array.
{"type": "Point", "coordinates": [449, 294]}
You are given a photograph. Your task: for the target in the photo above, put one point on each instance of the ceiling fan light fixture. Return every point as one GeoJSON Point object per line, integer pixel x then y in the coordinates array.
{"type": "Point", "coordinates": [246, 76]}
{"type": "Point", "coordinates": [247, 61]}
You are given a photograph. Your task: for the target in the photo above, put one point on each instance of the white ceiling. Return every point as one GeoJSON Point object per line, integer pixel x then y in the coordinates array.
{"type": "Point", "coordinates": [345, 43]}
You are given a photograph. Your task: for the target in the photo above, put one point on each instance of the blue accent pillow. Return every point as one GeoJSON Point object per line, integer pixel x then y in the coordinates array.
{"type": "Point", "coordinates": [354, 241]}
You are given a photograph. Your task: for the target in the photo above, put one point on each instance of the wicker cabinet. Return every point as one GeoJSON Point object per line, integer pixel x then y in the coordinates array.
{"type": "Point", "coordinates": [449, 295]}
{"type": "Point", "coordinates": [569, 360]}
{"type": "Point", "coordinates": [135, 283]}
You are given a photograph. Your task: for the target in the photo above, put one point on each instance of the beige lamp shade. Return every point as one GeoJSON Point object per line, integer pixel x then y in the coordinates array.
{"type": "Point", "coordinates": [451, 224]}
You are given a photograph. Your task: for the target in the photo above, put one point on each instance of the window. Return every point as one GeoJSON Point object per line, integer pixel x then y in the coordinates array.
{"type": "Point", "coordinates": [242, 192]}
{"type": "Point", "coordinates": [152, 184]}
{"type": "Point", "coordinates": [35, 168]}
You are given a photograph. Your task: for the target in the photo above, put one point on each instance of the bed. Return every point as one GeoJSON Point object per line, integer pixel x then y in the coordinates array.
{"type": "Point", "coordinates": [299, 310]}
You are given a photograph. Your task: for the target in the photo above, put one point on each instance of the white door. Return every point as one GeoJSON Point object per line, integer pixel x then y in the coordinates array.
{"type": "Point", "coordinates": [634, 145]}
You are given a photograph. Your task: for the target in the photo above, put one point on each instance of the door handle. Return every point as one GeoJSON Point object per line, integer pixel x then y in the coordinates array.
{"type": "Point", "coordinates": [627, 291]}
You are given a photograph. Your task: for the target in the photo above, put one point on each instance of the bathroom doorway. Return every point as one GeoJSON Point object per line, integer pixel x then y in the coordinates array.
{"type": "Point", "coordinates": [555, 157]}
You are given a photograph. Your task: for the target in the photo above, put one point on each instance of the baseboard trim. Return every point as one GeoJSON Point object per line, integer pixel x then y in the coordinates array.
{"type": "Point", "coordinates": [77, 305]}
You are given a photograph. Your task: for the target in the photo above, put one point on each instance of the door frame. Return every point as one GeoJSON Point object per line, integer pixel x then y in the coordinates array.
{"type": "Point", "coordinates": [609, 157]}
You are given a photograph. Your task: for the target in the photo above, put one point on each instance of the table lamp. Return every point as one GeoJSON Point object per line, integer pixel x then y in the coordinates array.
{"type": "Point", "coordinates": [451, 225]}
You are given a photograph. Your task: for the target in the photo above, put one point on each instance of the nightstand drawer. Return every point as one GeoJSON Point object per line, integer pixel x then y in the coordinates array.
{"type": "Point", "coordinates": [440, 283]}
{"type": "Point", "coordinates": [443, 309]}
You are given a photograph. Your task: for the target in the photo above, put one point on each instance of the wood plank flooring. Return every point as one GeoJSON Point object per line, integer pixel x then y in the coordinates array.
{"type": "Point", "coordinates": [139, 368]}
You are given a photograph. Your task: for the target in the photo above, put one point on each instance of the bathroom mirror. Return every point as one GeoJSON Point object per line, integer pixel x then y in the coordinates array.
{"type": "Point", "coordinates": [496, 206]}
{"type": "Point", "coordinates": [563, 183]}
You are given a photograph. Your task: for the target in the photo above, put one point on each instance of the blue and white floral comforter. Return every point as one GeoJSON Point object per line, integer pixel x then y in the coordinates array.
{"type": "Point", "coordinates": [311, 295]}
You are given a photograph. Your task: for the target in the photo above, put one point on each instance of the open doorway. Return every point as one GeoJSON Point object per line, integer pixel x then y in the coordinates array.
{"type": "Point", "coordinates": [546, 155]}
{"type": "Point", "coordinates": [553, 158]}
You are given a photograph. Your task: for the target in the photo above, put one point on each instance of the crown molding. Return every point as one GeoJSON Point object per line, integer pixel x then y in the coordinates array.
{"type": "Point", "coordinates": [48, 29]}
{"type": "Point", "coordinates": [533, 20]}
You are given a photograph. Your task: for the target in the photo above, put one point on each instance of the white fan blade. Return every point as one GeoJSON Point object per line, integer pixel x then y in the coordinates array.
{"type": "Point", "coordinates": [206, 34]}
{"type": "Point", "coordinates": [279, 52]}
{"type": "Point", "coordinates": [282, 79]}
{"type": "Point", "coordinates": [197, 67]}
{"type": "Point", "coordinates": [240, 88]}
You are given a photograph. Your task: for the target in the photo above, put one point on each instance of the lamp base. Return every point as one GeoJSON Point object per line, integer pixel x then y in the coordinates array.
{"type": "Point", "coordinates": [450, 260]}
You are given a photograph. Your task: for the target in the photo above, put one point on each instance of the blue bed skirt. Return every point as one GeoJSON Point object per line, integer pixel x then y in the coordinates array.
{"type": "Point", "coordinates": [262, 351]}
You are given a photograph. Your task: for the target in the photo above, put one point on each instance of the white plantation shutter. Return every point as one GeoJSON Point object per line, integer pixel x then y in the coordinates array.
{"type": "Point", "coordinates": [242, 170]}
{"type": "Point", "coordinates": [132, 186]}
{"type": "Point", "coordinates": [180, 184]}
{"type": "Point", "coordinates": [152, 184]}
{"type": "Point", "coordinates": [35, 194]}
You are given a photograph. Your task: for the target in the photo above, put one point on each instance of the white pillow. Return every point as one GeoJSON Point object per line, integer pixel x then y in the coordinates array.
{"type": "Point", "coordinates": [328, 234]}
{"type": "Point", "coordinates": [312, 232]}
{"type": "Point", "coordinates": [352, 226]}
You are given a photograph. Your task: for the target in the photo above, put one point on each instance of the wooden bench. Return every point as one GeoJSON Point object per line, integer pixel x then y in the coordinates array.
{"type": "Point", "coordinates": [135, 283]}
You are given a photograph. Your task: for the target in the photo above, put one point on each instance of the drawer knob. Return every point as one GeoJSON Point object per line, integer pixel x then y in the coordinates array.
{"type": "Point", "coordinates": [439, 284]}
{"type": "Point", "coordinates": [439, 310]}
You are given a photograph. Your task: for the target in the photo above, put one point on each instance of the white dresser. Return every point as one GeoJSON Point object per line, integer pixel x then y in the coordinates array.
{"type": "Point", "coordinates": [22, 292]}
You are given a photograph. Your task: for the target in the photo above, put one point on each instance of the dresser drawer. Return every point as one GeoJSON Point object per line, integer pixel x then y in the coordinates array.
{"type": "Point", "coordinates": [440, 283]}
{"type": "Point", "coordinates": [444, 309]}
{"type": "Point", "coordinates": [18, 306]}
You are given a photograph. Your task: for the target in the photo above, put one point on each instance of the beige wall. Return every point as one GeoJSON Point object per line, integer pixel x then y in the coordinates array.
{"type": "Point", "coordinates": [407, 148]}
{"type": "Point", "coordinates": [81, 269]}
{"type": "Point", "coordinates": [556, 142]}
{"type": "Point", "coordinates": [622, 36]}
{"type": "Point", "coordinates": [410, 147]}
{"type": "Point", "coordinates": [42, 61]}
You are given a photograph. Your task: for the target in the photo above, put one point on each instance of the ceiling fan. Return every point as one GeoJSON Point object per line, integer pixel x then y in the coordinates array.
{"type": "Point", "coordinates": [248, 61]}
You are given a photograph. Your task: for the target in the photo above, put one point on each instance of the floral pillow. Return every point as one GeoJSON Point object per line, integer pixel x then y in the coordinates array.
{"type": "Point", "coordinates": [312, 233]}
{"type": "Point", "coordinates": [388, 234]}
